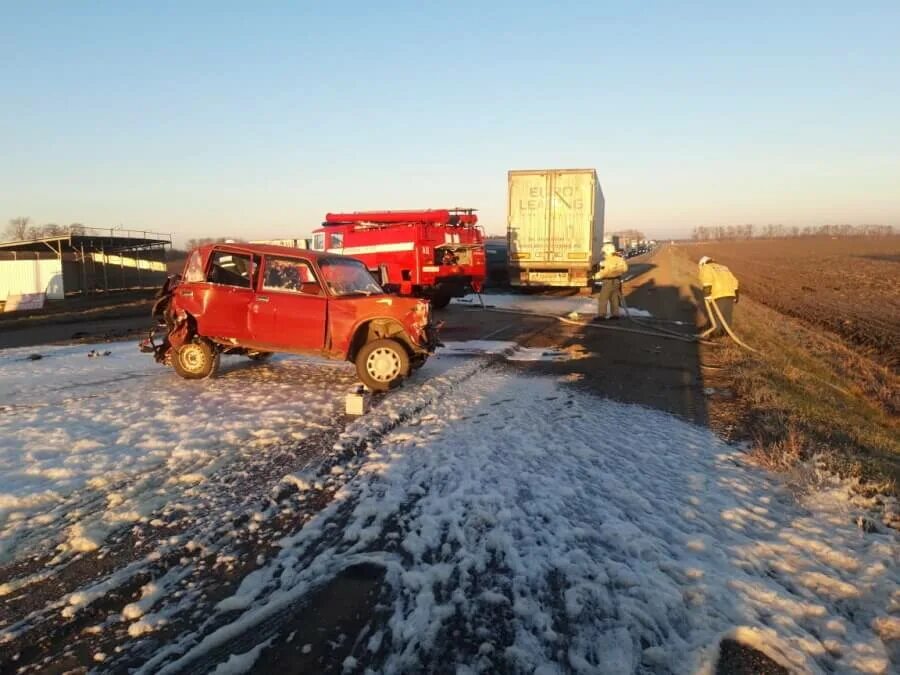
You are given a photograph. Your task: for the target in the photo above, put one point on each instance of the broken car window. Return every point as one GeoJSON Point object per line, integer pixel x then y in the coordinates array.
{"type": "Point", "coordinates": [290, 274]}
{"type": "Point", "coordinates": [231, 269]}
{"type": "Point", "coordinates": [194, 270]}
{"type": "Point", "coordinates": [346, 276]}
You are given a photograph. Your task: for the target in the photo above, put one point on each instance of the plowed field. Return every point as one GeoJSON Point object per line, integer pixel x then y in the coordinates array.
{"type": "Point", "coordinates": [850, 286]}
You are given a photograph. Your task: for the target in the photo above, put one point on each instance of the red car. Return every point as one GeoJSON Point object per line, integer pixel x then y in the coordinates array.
{"type": "Point", "coordinates": [256, 299]}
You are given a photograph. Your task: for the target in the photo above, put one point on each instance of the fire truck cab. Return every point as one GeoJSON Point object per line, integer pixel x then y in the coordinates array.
{"type": "Point", "coordinates": [435, 253]}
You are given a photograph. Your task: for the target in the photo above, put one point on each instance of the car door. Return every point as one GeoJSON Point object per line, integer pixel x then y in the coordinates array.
{"type": "Point", "coordinates": [227, 294]}
{"type": "Point", "coordinates": [289, 310]}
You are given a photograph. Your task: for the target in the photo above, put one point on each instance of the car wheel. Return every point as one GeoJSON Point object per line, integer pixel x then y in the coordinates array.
{"type": "Point", "coordinates": [196, 360]}
{"type": "Point", "coordinates": [380, 364]}
{"type": "Point", "coordinates": [260, 356]}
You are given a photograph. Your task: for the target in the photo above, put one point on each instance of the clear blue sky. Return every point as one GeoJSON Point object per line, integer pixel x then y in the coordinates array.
{"type": "Point", "coordinates": [226, 118]}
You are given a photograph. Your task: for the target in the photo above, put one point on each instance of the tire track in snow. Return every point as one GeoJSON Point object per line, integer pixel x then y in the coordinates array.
{"type": "Point", "coordinates": [533, 537]}
{"type": "Point", "coordinates": [200, 651]}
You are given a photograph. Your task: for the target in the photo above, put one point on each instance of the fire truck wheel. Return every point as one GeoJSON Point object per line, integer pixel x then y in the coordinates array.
{"type": "Point", "coordinates": [440, 300]}
{"type": "Point", "coordinates": [380, 364]}
{"type": "Point", "coordinates": [196, 360]}
{"type": "Point", "coordinates": [260, 356]}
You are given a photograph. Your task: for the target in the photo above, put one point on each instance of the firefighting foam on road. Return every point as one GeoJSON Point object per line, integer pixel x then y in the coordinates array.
{"type": "Point", "coordinates": [485, 535]}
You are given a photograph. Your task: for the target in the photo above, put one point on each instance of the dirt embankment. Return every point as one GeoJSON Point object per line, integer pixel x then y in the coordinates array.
{"type": "Point", "coordinates": [850, 286]}
{"type": "Point", "coordinates": [808, 391]}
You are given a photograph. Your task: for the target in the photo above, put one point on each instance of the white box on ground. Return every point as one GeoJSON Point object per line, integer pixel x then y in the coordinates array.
{"type": "Point", "coordinates": [357, 403]}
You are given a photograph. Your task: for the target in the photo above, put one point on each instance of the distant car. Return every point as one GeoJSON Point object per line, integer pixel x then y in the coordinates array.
{"type": "Point", "coordinates": [256, 299]}
{"type": "Point", "coordinates": [496, 257]}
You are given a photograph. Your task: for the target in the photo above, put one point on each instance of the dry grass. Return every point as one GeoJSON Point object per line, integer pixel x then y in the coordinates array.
{"type": "Point", "coordinates": [783, 454]}
{"type": "Point", "coordinates": [807, 395]}
{"type": "Point", "coordinates": [808, 402]}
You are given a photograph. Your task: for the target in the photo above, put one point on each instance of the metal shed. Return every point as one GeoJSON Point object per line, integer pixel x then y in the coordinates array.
{"type": "Point", "coordinates": [81, 261]}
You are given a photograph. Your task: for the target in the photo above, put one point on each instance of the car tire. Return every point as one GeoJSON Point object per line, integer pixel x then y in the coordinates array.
{"type": "Point", "coordinates": [440, 300]}
{"type": "Point", "coordinates": [381, 364]}
{"type": "Point", "coordinates": [196, 360]}
{"type": "Point", "coordinates": [260, 356]}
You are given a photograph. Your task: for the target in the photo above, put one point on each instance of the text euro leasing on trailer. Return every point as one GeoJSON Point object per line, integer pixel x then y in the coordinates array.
{"type": "Point", "coordinates": [554, 227]}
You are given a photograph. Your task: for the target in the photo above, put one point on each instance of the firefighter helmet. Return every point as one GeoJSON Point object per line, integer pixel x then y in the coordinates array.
{"type": "Point", "coordinates": [608, 249]}
{"type": "Point", "coordinates": [705, 259]}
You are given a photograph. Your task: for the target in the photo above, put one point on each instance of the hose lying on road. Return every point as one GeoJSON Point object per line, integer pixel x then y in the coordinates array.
{"type": "Point", "coordinates": [572, 322]}
{"type": "Point", "coordinates": [712, 310]}
{"type": "Point", "coordinates": [657, 329]}
{"type": "Point", "coordinates": [651, 330]}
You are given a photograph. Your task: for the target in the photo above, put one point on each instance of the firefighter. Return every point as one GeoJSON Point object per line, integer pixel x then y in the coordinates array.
{"type": "Point", "coordinates": [610, 273]}
{"type": "Point", "coordinates": [721, 287]}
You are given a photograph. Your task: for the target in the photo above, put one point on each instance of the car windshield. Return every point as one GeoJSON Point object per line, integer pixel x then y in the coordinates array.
{"type": "Point", "coordinates": [346, 276]}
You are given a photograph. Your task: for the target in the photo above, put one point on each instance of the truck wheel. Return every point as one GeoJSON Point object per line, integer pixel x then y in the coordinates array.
{"type": "Point", "coordinates": [440, 300]}
{"type": "Point", "coordinates": [260, 356]}
{"type": "Point", "coordinates": [382, 363]}
{"type": "Point", "coordinates": [195, 360]}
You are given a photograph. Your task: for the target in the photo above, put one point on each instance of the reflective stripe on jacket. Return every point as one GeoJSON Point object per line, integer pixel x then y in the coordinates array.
{"type": "Point", "coordinates": [722, 282]}
{"type": "Point", "coordinates": [613, 266]}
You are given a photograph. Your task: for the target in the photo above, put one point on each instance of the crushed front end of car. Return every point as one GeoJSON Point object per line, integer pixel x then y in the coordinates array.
{"type": "Point", "coordinates": [170, 326]}
{"type": "Point", "coordinates": [421, 328]}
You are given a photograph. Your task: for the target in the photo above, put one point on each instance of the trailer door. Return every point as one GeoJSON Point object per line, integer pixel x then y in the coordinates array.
{"type": "Point", "coordinates": [529, 234]}
{"type": "Point", "coordinates": [571, 217]}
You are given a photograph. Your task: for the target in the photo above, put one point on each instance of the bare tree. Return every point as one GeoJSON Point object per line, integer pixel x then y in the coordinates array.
{"type": "Point", "coordinates": [17, 228]}
{"type": "Point", "coordinates": [21, 228]}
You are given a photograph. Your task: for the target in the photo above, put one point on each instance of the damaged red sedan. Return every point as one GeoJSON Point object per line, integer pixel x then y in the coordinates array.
{"type": "Point", "coordinates": [255, 299]}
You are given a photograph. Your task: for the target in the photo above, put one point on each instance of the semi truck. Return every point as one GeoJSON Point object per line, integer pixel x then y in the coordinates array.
{"type": "Point", "coordinates": [554, 227]}
{"type": "Point", "coordinates": [613, 239]}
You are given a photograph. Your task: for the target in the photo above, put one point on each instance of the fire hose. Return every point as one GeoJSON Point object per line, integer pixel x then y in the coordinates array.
{"type": "Point", "coordinates": [653, 331]}
{"type": "Point", "coordinates": [712, 310]}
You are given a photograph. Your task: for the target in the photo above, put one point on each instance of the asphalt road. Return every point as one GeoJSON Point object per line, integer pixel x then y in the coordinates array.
{"type": "Point", "coordinates": [619, 360]}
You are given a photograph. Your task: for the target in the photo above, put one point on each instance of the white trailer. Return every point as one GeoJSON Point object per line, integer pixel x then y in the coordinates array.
{"type": "Point", "coordinates": [554, 227]}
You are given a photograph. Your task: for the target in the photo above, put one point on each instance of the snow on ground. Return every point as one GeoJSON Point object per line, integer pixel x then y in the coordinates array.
{"type": "Point", "coordinates": [91, 444]}
{"type": "Point", "coordinates": [544, 304]}
{"type": "Point", "coordinates": [522, 525]}
{"type": "Point", "coordinates": [528, 527]}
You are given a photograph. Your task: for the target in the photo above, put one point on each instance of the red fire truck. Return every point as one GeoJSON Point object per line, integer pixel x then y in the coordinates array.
{"type": "Point", "coordinates": [436, 253]}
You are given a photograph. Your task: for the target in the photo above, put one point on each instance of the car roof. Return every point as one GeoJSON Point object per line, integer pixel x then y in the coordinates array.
{"type": "Point", "coordinates": [271, 249]}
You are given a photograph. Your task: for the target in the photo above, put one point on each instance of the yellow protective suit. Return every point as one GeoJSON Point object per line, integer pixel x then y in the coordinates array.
{"type": "Point", "coordinates": [719, 280]}
{"type": "Point", "coordinates": [613, 266]}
